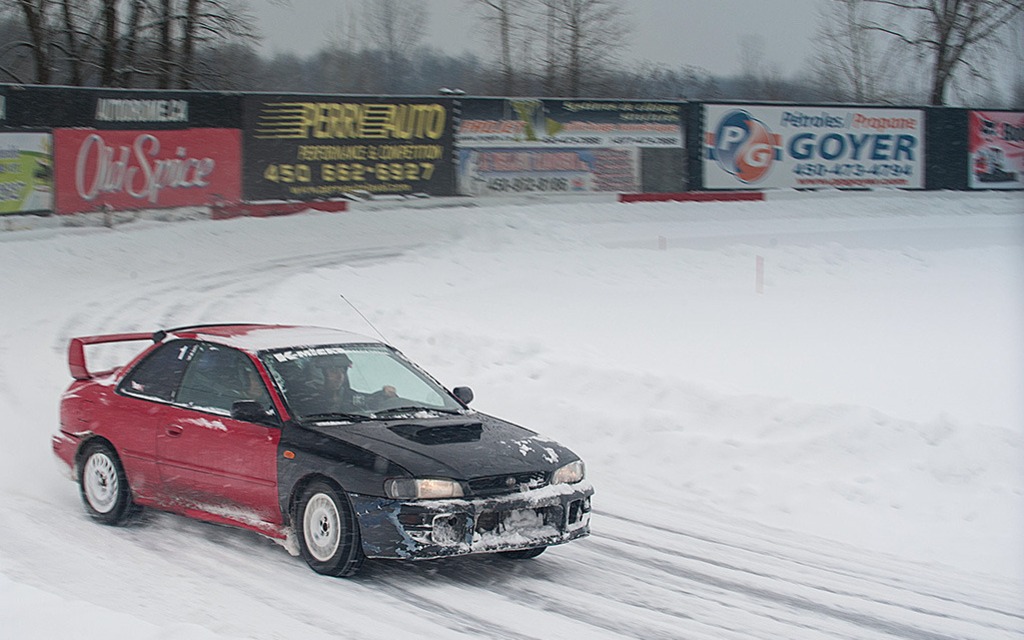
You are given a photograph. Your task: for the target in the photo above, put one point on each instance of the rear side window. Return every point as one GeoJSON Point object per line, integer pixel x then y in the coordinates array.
{"type": "Point", "coordinates": [158, 376]}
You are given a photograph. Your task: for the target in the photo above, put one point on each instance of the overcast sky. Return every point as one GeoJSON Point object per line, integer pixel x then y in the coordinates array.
{"type": "Point", "coordinates": [704, 33]}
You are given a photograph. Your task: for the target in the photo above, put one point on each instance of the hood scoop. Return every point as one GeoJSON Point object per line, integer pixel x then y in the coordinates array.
{"type": "Point", "coordinates": [442, 434]}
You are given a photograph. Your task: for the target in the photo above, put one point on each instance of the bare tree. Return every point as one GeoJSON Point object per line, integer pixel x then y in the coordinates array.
{"type": "Point", "coordinates": [954, 34]}
{"type": "Point", "coordinates": [37, 18]}
{"type": "Point", "coordinates": [851, 61]}
{"type": "Point", "coordinates": [584, 39]}
{"type": "Point", "coordinates": [505, 18]}
{"type": "Point", "coordinates": [758, 79]}
{"type": "Point", "coordinates": [126, 42]}
{"type": "Point", "coordinates": [396, 27]}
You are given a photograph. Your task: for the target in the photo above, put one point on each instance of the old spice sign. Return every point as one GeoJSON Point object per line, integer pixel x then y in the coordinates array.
{"type": "Point", "coordinates": [145, 169]}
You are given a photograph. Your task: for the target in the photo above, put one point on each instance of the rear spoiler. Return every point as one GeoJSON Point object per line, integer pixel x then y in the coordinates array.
{"type": "Point", "coordinates": [76, 349]}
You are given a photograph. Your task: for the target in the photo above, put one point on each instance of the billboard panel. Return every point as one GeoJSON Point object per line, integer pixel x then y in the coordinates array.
{"type": "Point", "coordinates": [556, 146]}
{"type": "Point", "coordinates": [495, 171]}
{"type": "Point", "coordinates": [757, 147]}
{"type": "Point", "coordinates": [569, 123]}
{"type": "Point", "coordinates": [146, 169]}
{"type": "Point", "coordinates": [312, 148]}
{"type": "Point", "coordinates": [26, 172]}
{"type": "Point", "coordinates": [996, 149]}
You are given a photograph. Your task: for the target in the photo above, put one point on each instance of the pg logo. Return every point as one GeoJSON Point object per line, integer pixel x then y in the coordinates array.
{"type": "Point", "coordinates": [744, 146]}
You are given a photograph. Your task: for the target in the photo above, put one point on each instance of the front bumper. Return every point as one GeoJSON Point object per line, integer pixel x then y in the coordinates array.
{"type": "Point", "coordinates": [419, 529]}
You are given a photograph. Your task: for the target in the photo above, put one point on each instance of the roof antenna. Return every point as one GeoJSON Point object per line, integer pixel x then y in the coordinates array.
{"type": "Point", "coordinates": [365, 319]}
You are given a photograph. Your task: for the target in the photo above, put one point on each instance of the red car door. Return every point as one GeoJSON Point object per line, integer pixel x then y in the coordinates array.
{"type": "Point", "coordinates": [211, 461]}
{"type": "Point", "coordinates": [141, 408]}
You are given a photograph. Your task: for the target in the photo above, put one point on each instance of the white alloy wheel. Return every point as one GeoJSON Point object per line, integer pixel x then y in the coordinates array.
{"type": "Point", "coordinates": [321, 527]}
{"type": "Point", "coordinates": [100, 482]}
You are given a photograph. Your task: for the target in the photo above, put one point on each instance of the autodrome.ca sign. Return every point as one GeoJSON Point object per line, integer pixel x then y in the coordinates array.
{"type": "Point", "coordinates": [749, 146]}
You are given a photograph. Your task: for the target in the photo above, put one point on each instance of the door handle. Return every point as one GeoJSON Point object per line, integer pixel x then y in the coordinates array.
{"type": "Point", "coordinates": [174, 432]}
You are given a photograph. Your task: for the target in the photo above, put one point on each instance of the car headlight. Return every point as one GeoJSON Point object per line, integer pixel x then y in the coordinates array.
{"type": "Point", "coordinates": [422, 489]}
{"type": "Point", "coordinates": [570, 473]}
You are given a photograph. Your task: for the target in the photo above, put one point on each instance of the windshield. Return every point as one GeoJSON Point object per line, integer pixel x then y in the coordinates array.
{"type": "Point", "coordinates": [353, 382]}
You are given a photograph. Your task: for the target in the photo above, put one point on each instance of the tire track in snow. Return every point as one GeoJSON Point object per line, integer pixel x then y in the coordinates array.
{"type": "Point", "coordinates": [797, 587]}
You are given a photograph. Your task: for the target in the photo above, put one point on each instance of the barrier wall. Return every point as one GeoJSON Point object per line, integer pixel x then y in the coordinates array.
{"type": "Point", "coordinates": [110, 149]}
{"type": "Point", "coordinates": [71, 150]}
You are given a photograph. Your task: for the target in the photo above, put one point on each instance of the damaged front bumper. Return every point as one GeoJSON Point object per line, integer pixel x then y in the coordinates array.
{"type": "Point", "coordinates": [417, 529]}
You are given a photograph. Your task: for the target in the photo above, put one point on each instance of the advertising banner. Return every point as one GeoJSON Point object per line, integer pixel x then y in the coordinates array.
{"type": "Point", "coordinates": [486, 172]}
{"type": "Point", "coordinates": [557, 146]}
{"type": "Point", "coordinates": [26, 172]}
{"type": "Point", "coordinates": [569, 123]}
{"type": "Point", "coordinates": [996, 147]}
{"type": "Point", "coordinates": [313, 148]}
{"type": "Point", "coordinates": [146, 169]}
{"type": "Point", "coordinates": [757, 147]}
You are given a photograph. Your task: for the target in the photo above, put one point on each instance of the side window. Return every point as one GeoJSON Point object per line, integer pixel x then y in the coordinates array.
{"type": "Point", "coordinates": [157, 377]}
{"type": "Point", "coordinates": [217, 377]}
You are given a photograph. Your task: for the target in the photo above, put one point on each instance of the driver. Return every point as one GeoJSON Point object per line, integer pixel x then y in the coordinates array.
{"type": "Point", "coordinates": [335, 394]}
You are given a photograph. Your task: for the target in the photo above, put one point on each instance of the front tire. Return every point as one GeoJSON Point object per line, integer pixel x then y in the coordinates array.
{"type": "Point", "coordinates": [104, 485]}
{"type": "Point", "coordinates": [328, 532]}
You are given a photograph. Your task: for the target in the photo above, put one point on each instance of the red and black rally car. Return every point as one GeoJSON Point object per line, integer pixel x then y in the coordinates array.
{"type": "Point", "coordinates": [318, 436]}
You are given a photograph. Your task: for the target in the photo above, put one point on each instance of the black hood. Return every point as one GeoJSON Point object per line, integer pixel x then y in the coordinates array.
{"type": "Point", "coordinates": [458, 447]}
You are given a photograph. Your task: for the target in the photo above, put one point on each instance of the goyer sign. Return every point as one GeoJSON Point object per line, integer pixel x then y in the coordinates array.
{"type": "Point", "coordinates": [757, 147]}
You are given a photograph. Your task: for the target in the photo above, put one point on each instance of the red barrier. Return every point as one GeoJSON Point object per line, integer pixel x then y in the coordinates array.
{"type": "Point", "coordinates": [270, 209]}
{"type": "Point", "coordinates": [694, 196]}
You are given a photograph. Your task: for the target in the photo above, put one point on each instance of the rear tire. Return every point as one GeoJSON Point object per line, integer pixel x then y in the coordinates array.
{"type": "Point", "coordinates": [103, 485]}
{"type": "Point", "coordinates": [329, 539]}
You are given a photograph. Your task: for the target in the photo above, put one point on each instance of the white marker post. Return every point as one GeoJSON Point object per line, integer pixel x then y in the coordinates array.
{"type": "Point", "coordinates": [759, 274]}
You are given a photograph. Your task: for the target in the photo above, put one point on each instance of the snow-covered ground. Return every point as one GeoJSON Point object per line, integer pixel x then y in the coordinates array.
{"type": "Point", "coordinates": [837, 452]}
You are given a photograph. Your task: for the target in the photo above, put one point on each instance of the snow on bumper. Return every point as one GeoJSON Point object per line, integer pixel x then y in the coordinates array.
{"type": "Point", "coordinates": [437, 528]}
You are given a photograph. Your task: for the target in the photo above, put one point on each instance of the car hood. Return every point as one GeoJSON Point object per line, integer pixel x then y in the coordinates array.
{"type": "Point", "coordinates": [459, 447]}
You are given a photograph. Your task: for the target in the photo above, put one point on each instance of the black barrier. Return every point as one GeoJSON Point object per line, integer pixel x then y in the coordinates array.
{"type": "Point", "coordinates": [946, 141]}
{"type": "Point", "coordinates": [695, 145]}
{"type": "Point", "coordinates": [303, 147]}
{"type": "Point", "coordinates": [68, 107]}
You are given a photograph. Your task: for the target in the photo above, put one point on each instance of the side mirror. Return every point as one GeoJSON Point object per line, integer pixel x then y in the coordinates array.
{"type": "Point", "coordinates": [251, 411]}
{"type": "Point", "coordinates": [464, 394]}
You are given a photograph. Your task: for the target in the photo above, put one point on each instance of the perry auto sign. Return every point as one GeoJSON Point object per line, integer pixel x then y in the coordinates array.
{"type": "Point", "coordinates": [996, 146]}
{"type": "Point", "coordinates": [315, 147]}
{"type": "Point", "coordinates": [145, 169]}
{"type": "Point", "coordinates": [756, 147]}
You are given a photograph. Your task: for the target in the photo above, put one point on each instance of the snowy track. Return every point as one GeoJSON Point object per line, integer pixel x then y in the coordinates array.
{"type": "Point", "coordinates": [631, 580]}
{"type": "Point", "coordinates": [719, 515]}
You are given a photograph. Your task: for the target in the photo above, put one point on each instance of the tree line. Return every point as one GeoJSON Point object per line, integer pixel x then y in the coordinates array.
{"type": "Point", "coordinates": [869, 51]}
